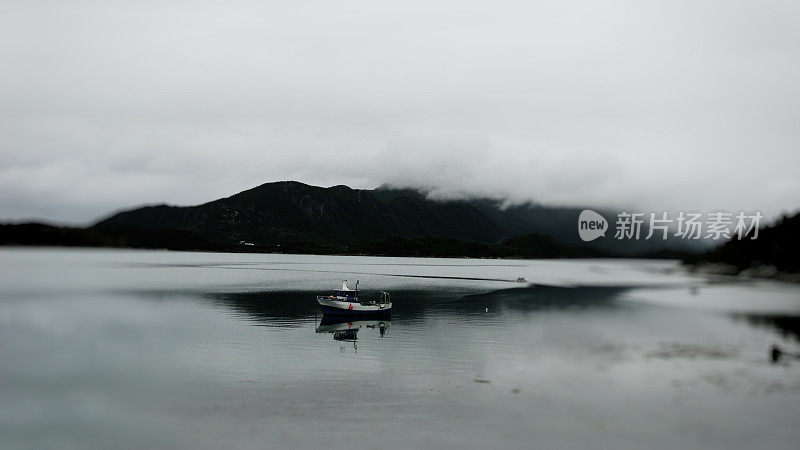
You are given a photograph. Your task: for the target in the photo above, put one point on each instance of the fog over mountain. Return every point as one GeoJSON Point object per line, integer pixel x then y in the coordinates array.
{"type": "Point", "coordinates": [676, 105]}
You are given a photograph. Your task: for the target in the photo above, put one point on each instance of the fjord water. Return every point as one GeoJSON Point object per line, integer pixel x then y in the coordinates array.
{"type": "Point", "coordinates": [156, 349]}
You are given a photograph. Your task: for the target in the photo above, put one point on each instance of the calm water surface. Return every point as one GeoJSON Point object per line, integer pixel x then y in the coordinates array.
{"type": "Point", "coordinates": [155, 349]}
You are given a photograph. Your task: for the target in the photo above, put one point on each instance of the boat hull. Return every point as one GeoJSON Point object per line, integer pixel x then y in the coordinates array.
{"type": "Point", "coordinates": [331, 311]}
{"type": "Point", "coordinates": [344, 308]}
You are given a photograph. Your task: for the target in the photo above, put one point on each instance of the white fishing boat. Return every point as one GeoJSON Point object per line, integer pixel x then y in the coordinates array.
{"type": "Point", "coordinates": [345, 301]}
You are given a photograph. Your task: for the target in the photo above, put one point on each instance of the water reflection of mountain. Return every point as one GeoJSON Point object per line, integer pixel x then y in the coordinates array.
{"type": "Point", "coordinates": [539, 298]}
{"type": "Point", "coordinates": [286, 307]}
{"type": "Point", "coordinates": [281, 308]}
{"type": "Point", "coordinates": [786, 326]}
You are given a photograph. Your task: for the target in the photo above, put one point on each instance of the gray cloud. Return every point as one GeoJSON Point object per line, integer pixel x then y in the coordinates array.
{"type": "Point", "coordinates": [652, 105]}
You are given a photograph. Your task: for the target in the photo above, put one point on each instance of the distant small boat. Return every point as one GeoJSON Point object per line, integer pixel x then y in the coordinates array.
{"type": "Point", "coordinates": [522, 280]}
{"type": "Point", "coordinates": [345, 302]}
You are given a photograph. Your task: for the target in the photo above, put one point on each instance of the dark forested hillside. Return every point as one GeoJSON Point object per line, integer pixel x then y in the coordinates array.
{"type": "Point", "coordinates": [290, 216]}
{"type": "Point", "coordinates": [777, 246]}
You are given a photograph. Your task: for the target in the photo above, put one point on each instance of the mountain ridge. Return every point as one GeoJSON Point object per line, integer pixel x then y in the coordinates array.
{"type": "Point", "coordinates": [290, 214]}
{"type": "Point", "coordinates": [293, 217]}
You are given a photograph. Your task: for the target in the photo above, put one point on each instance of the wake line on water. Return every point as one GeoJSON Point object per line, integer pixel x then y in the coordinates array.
{"type": "Point", "coordinates": [227, 264]}
{"type": "Point", "coordinates": [248, 266]}
{"type": "Point", "coordinates": [234, 267]}
{"type": "Point", "coordinates": [373, 273]}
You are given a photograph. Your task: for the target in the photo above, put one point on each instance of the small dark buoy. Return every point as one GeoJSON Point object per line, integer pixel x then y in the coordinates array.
{"type": "Point", "coordinates": [776, 354]}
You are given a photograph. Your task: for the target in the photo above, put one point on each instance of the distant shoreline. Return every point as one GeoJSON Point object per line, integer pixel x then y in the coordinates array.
{"type": "Point", "coordinates": [533, 246]}
{"type": "Point", "coordinates": [756, 272]}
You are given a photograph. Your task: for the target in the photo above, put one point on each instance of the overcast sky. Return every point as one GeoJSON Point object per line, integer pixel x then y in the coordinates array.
{"type": "Point", "coordinates": [653, 105]}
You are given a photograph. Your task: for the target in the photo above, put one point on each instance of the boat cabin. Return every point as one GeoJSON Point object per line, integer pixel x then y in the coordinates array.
{"type": "Point", "coordinates": [350, 294]}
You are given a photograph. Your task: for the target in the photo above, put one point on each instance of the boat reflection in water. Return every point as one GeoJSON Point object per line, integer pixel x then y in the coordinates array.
{"type": "Point", "coordinates": [345, 329]}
